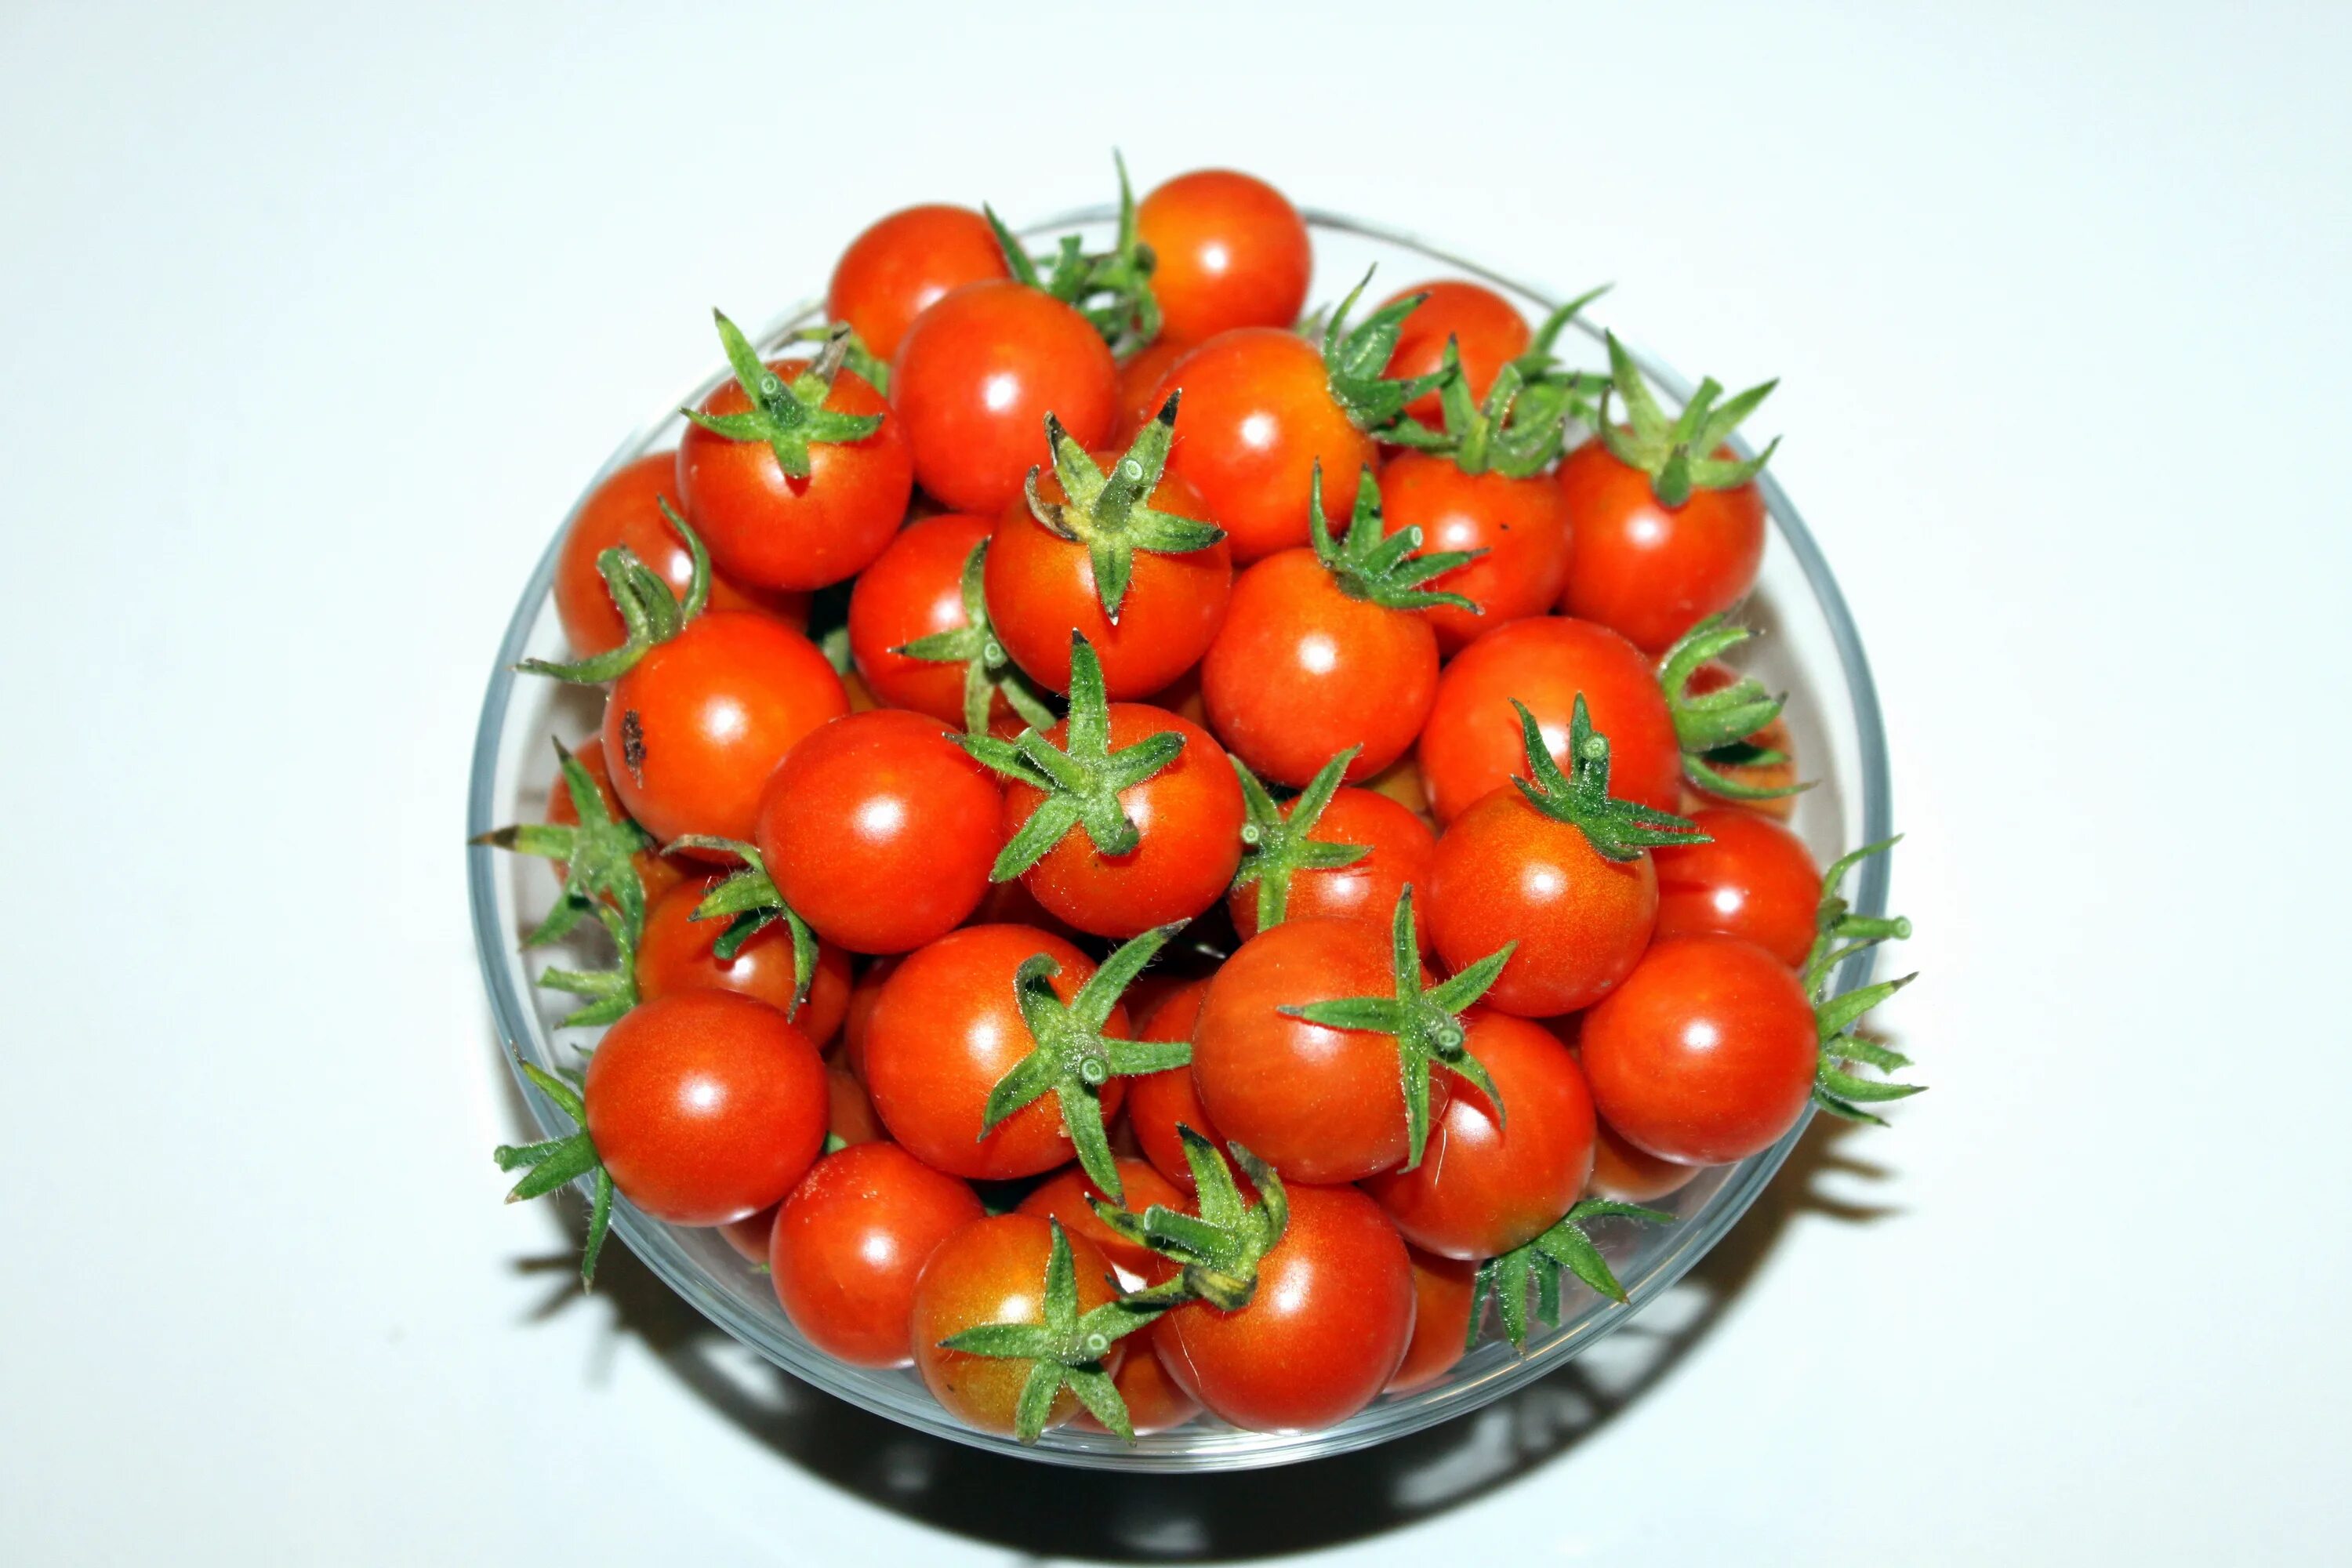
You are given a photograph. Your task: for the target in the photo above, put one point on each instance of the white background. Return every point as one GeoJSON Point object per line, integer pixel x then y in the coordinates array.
{"type": "Point", "coordinates": [312, 325]}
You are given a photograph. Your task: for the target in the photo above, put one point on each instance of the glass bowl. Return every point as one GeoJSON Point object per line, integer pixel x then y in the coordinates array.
{"type": "Point", "coordinates": [1810, 649]}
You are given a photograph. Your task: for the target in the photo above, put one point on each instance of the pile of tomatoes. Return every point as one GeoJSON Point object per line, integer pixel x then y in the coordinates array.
{"type": "Point", "coordinates": [1161, 856]}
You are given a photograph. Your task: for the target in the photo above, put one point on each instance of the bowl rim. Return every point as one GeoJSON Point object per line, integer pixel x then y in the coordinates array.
{"type": "Point", "coordinates": [518, 1018]}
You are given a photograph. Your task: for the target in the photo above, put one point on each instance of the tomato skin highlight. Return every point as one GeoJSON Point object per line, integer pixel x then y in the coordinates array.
{"type": "Point", "coordinates": [1041, 588]}
{"type": "Point", "coordinates": [1403, 847]}
{"type": "Point", "coordinates": [879, 831]}
{"type": "Point", "coordinates": [994, 1271]}
{"type": "Point", "coordinates": [1488, 328]}
{"type": "Point", "coordinates": [1329, 1325]}
{"type": "Point", "coordinates": [625, 510]}
{"type": "Point", "coordinates": [1302, 670]}
{"type": "Point", "coordinates": [1257, 417]}
{"type": "Point", "coordinates": [705, 1106]}
{"type": "Point", "coordinates": [974, 378]}
{"type": "Point", "coordinates": [1754, 879]}
{"type": "Point", "coordinates": [1063, 1197]}
{"type": "Point", "coordinates": [702, 719]}
{"type": "Point", "coordinates": [1649, 570]}
{"type": "Point", "coordinates": [914, 589]}
{"type": "Point", "coordinates": [1231, 252]}
{"type": "Point", "coordinates": [903, 264]}
{"type": "Point", "coordinates": [1442, 1288]}
{"type": "Point", "coordinates": [851, 1242]}
{"type": "Point", "coordinates": [1486, 1185]}
{"type": "Point", "coordinates": [1470, 743]}
{"type": "Point", "coordinates": [1506, 872]}
{"type": "Point", "coordinates": [675, 955]}
{"type": "Point", "coordinates": [1319, 1104]}
{"type": "Point", "coordinates": [945, 1027]}
{"type": "Point", "coordinates": [1520, 526]}
{"type": "Point", "coordinates": [1706, 1055]}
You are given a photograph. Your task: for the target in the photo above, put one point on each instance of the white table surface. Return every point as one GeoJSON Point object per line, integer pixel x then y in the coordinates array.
{"type": "Point", "coordinates": [314, 324]}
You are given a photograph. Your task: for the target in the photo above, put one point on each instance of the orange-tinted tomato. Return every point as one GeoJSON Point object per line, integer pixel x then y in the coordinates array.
{"type": "Point", "coordinates": [1065, 1197]}
{"type": "Point", "coordinates": [994, 1271]}
{"type": "Point", "coordinates": [902, 264]}
{"type": "Point", "coordinates": [1231, 252]}
{"type": "Point", "coordinates": [1488, 328]}
{"type": "Point", "coordinates": [1442, 1288]}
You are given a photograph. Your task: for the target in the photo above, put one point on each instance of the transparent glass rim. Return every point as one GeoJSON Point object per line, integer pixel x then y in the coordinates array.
{"type": "Point", "coordinates": [1213, 1448]}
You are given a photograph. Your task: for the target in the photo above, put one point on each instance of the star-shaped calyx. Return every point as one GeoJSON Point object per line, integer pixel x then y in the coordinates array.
{"type": "Point", "coordinates": [1505, 1280]}
{"type": "Point", "coordinates": [1111, 513]}
{"type": "Point", "coordinates": [1617, 829]}
{"type": "Point", "coordinates": [748, 902]}
{"type": "Point", "coordinates": [1216, 1249]}
{"type": "Point", "coordinates": [1679, 454]}
{"type": "Point", "coordinates": [790, 416]}
{"type": "Point", "coordinates": [650, 612]}
{"type": "Point", "coordinates": [1376, 566]}
{"type": "Point", "coordinates": [1355, 363]}
{"type": "Point", "coordinates": [554, 1161]}
{"type": "Point", "coordinates": [1276, 847]}
{"type": "Point", "coordinates": [1716, 730]}
{"type": "Point", "coordinates": [1840, 934]}
{"type": "Point", "coordinates": [989, 671]}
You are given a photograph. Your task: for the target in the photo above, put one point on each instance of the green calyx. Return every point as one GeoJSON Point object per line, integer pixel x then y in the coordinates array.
{"type": "Point", "coordinates": [1066, 1350]}
{"type": "Point", "coordinates": [989, 671]}
{"type": "Point", "coordinates": [1379, 567]}
{"type": "Point", "coordinates": [1111, 513]}
{"type": "Point", "coordinates": [1355, 361]}
{"type": "Point", "coordinates": [1617, 829]}
{"type": "Point", "coordinates": [607, 993]}
{"type": "Point", "coordinates": [1840, 933]}
{"type": "Point", "coordinates": [1112, 289]}
{"type": "Point", "coordinates": [1505, 1280]}
{"type": "Point", "coordinates": [1218, 1249]}
{"type": "Point", "coordinates": [1275, 848]}
{"type": "Point", "coordinates": [600, 854]}
{"type": "Point", "coordinates": [788, 415]}
{"type": "Point", "coordinates": [1522, 424]}
{"type": "Point", "coordinates": [1426, 1023]}
{"type": "Point", "coordinates": [856, 358]}
{"type": "Point", "coordinates": [650, 612]}
{"type": "Point", "coordinates": [1679, 454]}
{"type": "Point", "coordinates": [748, 902]}
{"type": "Point", "coordinates": [1715, 729]}
{"type": "Point", "coordinates": [552, 1163]}
{"type": "Point", "coordinates": [1073, 1058]}
{"type": "Point", "coordinates": [1082, 781]}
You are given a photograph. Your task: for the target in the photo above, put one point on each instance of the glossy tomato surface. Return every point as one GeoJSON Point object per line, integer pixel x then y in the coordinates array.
{"type": "Point", "coordinates": [1488, 329]}
{"type": "Point", "coordinates": [1754, 879]}
{"type": "Point", "coordinates": [850, 1243]}
{"type": "Point", "coordinates": [994, 1271]}
{"type": "Point", "coordinates": [1648, 570]}
{"type": "Point", "coordinates": [1442, 1290]}
{"type": "Point", "coordinates": [915, 589]}
{"type": "Point", "coordinates": [1159, 1103]}
{"type": "Point", "coordinates": [625, 510]}
{"type": "Point", "coordinates": [901, 265]}
{"type": "Point", "coordinates": [675, 953]}
{"type": "Point", "coordinates": [1403, 846]}
{"type": "Point", "coordinates": [1231, 252]}
{"type": "Point", "coordinates": [1517, 528]}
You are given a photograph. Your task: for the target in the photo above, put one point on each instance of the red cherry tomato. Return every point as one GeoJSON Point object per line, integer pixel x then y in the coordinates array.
{"type": "Point", "coordinates": [1319, 1104]}
{"type": "Point", "coordinates": [1506, 872]}
{"type": "Point", "coordinates": [1706, 1054]}
{"type": "Point", "coordinates": [657, 871]}
{"type": "Point", "coordinates": [1519, 524]}
{"type": "Point", "coordinates": [702, 719]}
{"type": "Point", "coordinates": [1154, 1401]}
{"type": "Point", "coordinates": [901, 265]}
{"type": "Point", "coordinates": [1329, 1324]}
{"type": "Point", "coordinates": [1140, 376]}
{"type": "Point", "coordinates": [766, 528]}
{"type": "Point", "coordinates": [1401, 848]}
{"type": "Point", "coordinates": [675, 955]}
{"type": "Point", "coordinates": [946, 1027]}
{"type": "Point", "coordinates": [1065, 1197]}
{"type": "Point", "coordinates": [850, 1243]}
{"type": "Point", "coordinates": [1472, 742]}
{"type": "Point", "coordinates": [1488, 329]}
{"type": "Point", "coordinates": [1302, 670]}
{"type": "Point", "coordinates": [1755, 879]}
{"type": "Point", "coordinates": [994, 1271]}
{"type": "Point", "coordinates": [625, 510]}
{"type": "Point", "coordinates": [862, 997]}
{"type": "Point", "coordinates": [1629, 1175]}
{"type": "Point", "coordinates": [1773, 737]}
{"type": "Point", "coordinates": [1442, 1288]}
{"type": "Point", "coordinates": [705, 1106]}
{"type": "Point", "coordinates": [1647, 570]}
{"type": "Point", "coordinates": [1233, 252]}
{"type": "Point", "coordinates": [915, 589]}
{"type": "Point", "coordinates": [1159, 1103]}
{"type": "Point", "coordinates": [879, 831]}
{"type": "Point", "coordinates": [1188, 817]}
{"type": "Point", "coordinates": [1257, 416]}
{"type": "Point", "coordinates": [1041, 588]}
{"type": "Point", "coordinates": [976, 375]}
{"type": "Point", "coordinates": [1488, 1184]}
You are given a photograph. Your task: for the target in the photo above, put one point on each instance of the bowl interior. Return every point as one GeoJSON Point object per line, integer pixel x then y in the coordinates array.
{"type": "Point", "coordinates": [1809, 650]}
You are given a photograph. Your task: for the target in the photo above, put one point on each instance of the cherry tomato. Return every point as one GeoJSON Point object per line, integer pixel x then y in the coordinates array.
{"type": "Point", "coordinates": [1488, 1184]}
{"type": "Point", "coordinates": [946, 1027]}
{"type": "Point", "coordinates": [1630, 1176]}
{"type": "Point", "coordinates": [1706, 1054]}
{"type": "Point", "coordinates": [1773, 737]}
{"type": "Point", "coordinates": [1065, 1197]}
{"type": "Point", "coordinates": [1189, 820]}
{"type": "Point", "coordinates": [1302, 670]}
{"type": "Point", "coordinates": [879, 831]}
{"type": "Point", "coordinates": [625, 510]}
{"type": "Point", "coordinates": [1233, 252]}
{"type": "Point", "coordinates": [1442, 1290]}
{"type": "Point", "coordinates": [851, 1116]}
{"type": "Point", "coordinates": [1159, 1102]}
{"type": "Point", "coordinates": [657, 871]}
{"type": "Point", "coordinates": [675, 955]}
{"type": "Point", "coordinates": [1755, 879]}
{"type": "Point", "coordinates": [1400, 782]}
{"type": "Point", "coordinates": [702, 719]}
{"type": "Point", "coordinates": [1506, 872]}
{"type": "Point", "coordinates": [1154, 1401]}
{"type": "Point", "coordinates": [1041, 588]}
{"type": "Point", "coordinates": [705, 1106]}
{"type": "Point", "coordinates": [976, 375]}
{"type": "Point", "coordinates": [1257, 416]}
{"type": "Point", "coordinates": [994, 1271]}
{"type": "Point", "coordinates": [1519, 524]}
{"type": "Point", "coordinates": [1488, 330]}
{"type": "Point", "coordinates": [915, 589]}
{"type": "Point", "coordinates": [766, 528]}
{"type": "Point", "coordinates": [1401, 848]}
{"type": "Point", "coordinates": [1329, 1322]}
{"type": "Point", "coordinates": [902, 265]}
{"type": "Point", "coordinates": [862, 996]}
{"type": "Point", "coordinates": [1472, 743]}
{"type": "Point", "coordinates": [850, 1243]}
{"type": "Point", "coordinates": [1319, 1104]}
{"type": "Point", "coordinates": [1649, 570]}
{"type": "Point", "coordinates": [1139, 375]}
